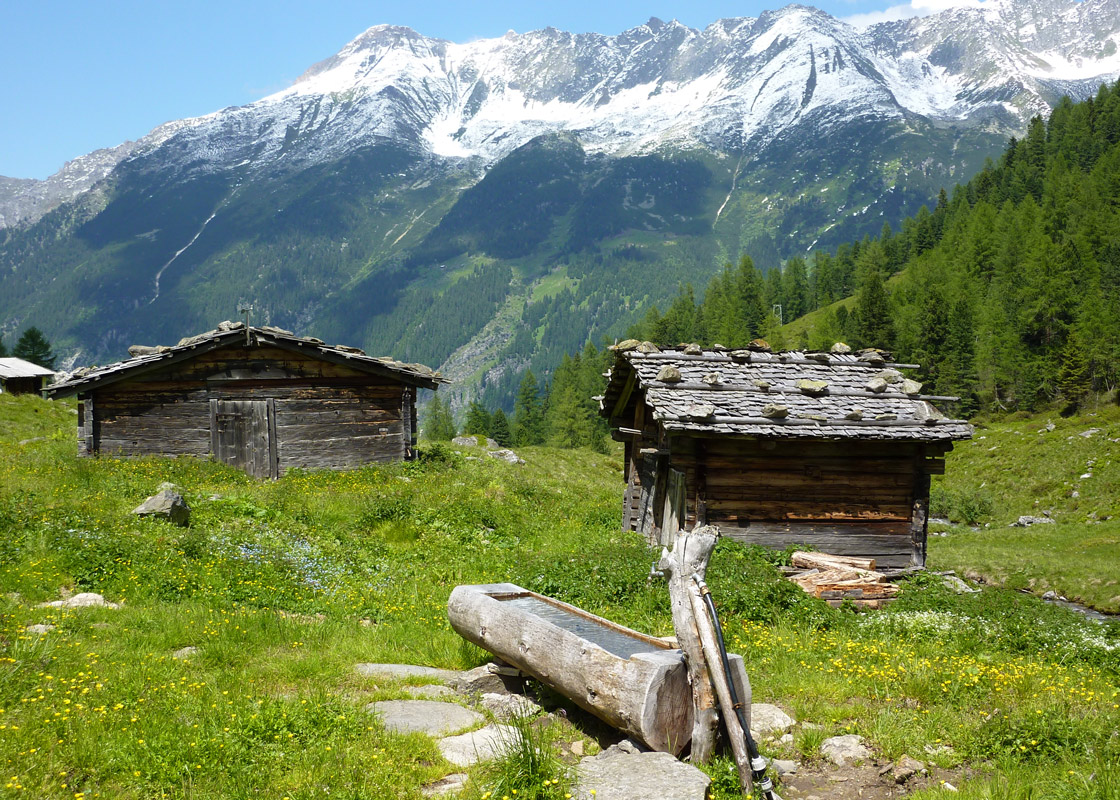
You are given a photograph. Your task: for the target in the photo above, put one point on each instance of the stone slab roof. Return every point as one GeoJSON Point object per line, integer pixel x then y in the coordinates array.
{"type": "Point", "coordinates": [757, 393]}
{"type": "Point", "coordinates": [145, 359]}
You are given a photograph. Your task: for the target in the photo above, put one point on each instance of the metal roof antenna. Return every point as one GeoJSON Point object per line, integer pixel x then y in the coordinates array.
{"type": "Point", "coordinates": [245, 308]}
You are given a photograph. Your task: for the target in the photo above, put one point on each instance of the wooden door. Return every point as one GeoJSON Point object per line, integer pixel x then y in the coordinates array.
{"type": "Point", "coordinates": [242, 435]}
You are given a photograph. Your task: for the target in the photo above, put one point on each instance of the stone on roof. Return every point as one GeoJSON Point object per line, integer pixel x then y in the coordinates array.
{"type": "Point", "coordinates": [755, 392]}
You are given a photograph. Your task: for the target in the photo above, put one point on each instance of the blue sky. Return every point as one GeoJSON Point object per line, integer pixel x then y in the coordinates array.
{"type": "Point", "coordinates": [76, 75]}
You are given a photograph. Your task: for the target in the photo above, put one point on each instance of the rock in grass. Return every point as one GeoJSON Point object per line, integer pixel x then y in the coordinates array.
{"type": "Point", "coordinates": [184, 653]}
{"type": "Point", "coordinates": [424, 716]}
{"type": "Point", "coordinates": [766, 718]}
{"type": "Point", "coordinates": [841, 750]}
{"type": "Point", "coordinates": [40, 629]}
{"type": "Point", "coordinates": [83, 600]}
{"type": "Point", "coordinates": [906, 768]}
{"type": "Point", "coordinates": [168, 505]}
{"type": "Point", "coordinates": [485, 744]}
{"type": "Point", "coordinates": [505, 707]}
{"type": "Point", "coordinates": [448, 785]}
{"type": "Point", "coordinates": [616, 774]}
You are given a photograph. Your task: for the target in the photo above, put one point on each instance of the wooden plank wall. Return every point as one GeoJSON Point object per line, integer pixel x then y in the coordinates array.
{"type": "Point", "coordinates": [325, 415]}
{"type": "Point", "coordinates": [850, 498]}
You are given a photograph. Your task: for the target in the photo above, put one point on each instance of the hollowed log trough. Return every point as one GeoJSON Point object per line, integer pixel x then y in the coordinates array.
{"type": "Point", "coordinates": [634, 682]}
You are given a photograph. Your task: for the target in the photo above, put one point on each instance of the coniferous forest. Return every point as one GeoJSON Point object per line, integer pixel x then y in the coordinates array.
{"type": "Point", "coordinates": [1007, 292]}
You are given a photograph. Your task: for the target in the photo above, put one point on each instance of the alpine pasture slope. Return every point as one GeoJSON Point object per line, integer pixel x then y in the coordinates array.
{"type": "Point", "coordinates": [489, 206]}
{"type": "Point", "coordinates": [284, 586]}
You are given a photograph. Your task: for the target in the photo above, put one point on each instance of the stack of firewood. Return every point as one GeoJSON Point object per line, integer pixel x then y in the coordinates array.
{"type": "Point", "coordinates": [839, 578]}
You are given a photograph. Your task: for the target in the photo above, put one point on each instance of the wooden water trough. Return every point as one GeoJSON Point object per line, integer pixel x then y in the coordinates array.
{"type": "Point", "coordinates": [635, 682]}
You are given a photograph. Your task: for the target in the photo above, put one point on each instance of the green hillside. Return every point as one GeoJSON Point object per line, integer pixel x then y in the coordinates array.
{"type": "Point", "coordinates": [284, 586]}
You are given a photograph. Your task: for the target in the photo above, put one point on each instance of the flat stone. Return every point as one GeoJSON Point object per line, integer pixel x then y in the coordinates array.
{"type": "Point", "coordinates": [842, 749]}
{"type": "Point", "coordinates": [424, 716]}
{"type": "Point", "coordinates": [784, 767]}
{"type": "Point", "coordinates": [487, 679]}
{"type": "Point", "coordinates": [447, 785]}
{"type": "Point", "coordinates": [184, 652]}
{"type": "Point", "coordinates": [775, 411]}
{"type": "Point", "coordinates": [766, 718]}
{"type": "Point", "coordinates": [430, 690]}
{"type": "Point", "coordinates": [485, 744]}
{"type": "Point", "coordinates": [398, 672]}
{"type": "Point", "coordinates": [906, 768]}
{"type": "Point", "coordinates": [505, 707]}
{"type": "Point", "coordinates": [40, 628]}
{"type": "Point", "coordinates": [812, 388]}
{"type": "Point", "coordinates": [82, 600]}
{"type": "Point", "coordinates": [619, 775]}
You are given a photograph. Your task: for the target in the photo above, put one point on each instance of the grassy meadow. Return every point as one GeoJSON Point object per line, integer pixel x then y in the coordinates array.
{"type": "Point", "coordinates": [283, 587]}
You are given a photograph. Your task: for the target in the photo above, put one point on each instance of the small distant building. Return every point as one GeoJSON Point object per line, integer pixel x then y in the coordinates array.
{"type": "Point", "coordinates": [22, 377]}
{"type": "Point", "coordinates": [832, 450]}
{"type": "Point", "coordinates": [261, 399]}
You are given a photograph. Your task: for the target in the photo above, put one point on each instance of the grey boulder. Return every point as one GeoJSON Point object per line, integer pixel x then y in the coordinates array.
{"type": "Point", "coordinates": [167, 504]}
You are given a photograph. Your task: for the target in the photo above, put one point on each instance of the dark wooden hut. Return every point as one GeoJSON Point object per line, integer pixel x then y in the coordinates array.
{"type": "Point", "coordinates": [832, 450]}
{"type": "Point", "coordinates": [260, 399]}
{"type": "Point", "coordinates": [18, 376]}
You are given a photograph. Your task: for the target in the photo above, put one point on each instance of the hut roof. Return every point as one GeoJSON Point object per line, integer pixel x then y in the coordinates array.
{"type": "Point", "coordinates": [145, 359]}
{"type": "Point", "coordinates": [760, 394]}
{"type": "Point", "coordinates": [18, 368]}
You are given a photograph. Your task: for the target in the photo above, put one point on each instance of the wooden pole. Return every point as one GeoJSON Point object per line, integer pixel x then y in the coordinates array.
{"type": "Point", "coordinates": [689, 556]}
{"type": "Point", "coordinates": [708, 641]}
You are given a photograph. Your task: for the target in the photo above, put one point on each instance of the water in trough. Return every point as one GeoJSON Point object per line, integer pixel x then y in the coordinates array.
{"type": "Point", "coordinates": [611, 640]}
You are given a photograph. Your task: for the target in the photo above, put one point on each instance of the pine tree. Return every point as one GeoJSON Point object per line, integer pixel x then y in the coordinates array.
{"type": "Point", "coordinates": [499, 429]}
{"type": "Point", "coordinates": [33, 346]}
{"type": "Point", "coordinates": [528, 413]}
{"type": "Point", "coordinates": [439, 425]}
{"type": "Point", "coordinates": [478, 420]}
{"type": "Point", "coordinates": [872, 315]}
{"type": "Point", "coordinates": [3, 349]}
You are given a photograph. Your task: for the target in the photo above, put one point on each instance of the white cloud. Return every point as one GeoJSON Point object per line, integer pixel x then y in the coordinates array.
{"type": "Point", "coordinates": [915, 8]}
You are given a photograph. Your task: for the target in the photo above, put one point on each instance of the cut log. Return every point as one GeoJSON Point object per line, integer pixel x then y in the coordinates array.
{"type": "Point", "coordinates": [634, 682]}
{"type": "Point", "coordinates": [808, 560]}
{"type": "Point", "coordinates": [865, 589]}
{"type": "Point", "coordinates": [689, 557]}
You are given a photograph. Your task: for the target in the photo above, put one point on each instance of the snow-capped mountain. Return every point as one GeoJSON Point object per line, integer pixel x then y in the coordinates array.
{"type": "Point", "coordinates": [492, 204]}
{"type": "Point", "coordinates": [738, 83]}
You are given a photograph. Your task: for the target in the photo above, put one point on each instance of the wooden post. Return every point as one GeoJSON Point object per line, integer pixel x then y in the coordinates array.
{"type": "Point", "coordinates": [689, 556]}
{"type": "Point", "coordinates": [708, 641]}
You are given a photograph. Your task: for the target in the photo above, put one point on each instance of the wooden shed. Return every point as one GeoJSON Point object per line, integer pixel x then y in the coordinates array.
{"type": "Point", "coordinates": [832, 450]}
{"type": "Point", "coordinates": [261, 399]}
{"type": "Point", "coordinates": [18, 376]}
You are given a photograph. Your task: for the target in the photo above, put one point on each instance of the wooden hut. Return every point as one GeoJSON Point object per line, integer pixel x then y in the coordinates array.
{"type": "Point", "coordinates": [261, 399]}
{"type": "Point", "coordinates": [832, 450]}
{"type": "Point", "coordinates": [18, 376]}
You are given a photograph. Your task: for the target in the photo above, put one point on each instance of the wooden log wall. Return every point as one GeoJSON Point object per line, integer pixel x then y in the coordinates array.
{"type": "Point", "coordinates": [322, 415]}
{"type": "Point", "coordinates": [849, 498]}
